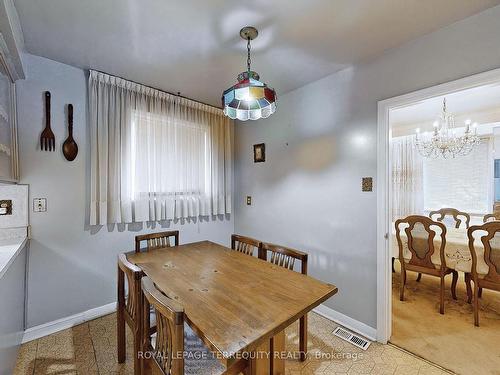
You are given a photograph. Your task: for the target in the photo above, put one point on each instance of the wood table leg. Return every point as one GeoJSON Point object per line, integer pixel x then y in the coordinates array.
{"type": "Point", "coordinates": [468, 286]}
{"type": "Point", "coordinates": [267, 358]}
{"type": "Point", "coordinates": [303, 338]}
{"type": "Point", "coordinates": [260, 361]}
{"type": "Point", "coordinates": [277, 348]}
{"type": "Point", "coordinates": [236, 368]}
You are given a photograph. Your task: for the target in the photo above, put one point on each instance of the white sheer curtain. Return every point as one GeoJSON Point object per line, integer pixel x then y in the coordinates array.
{"type": "Point", "coordinates": [155, 156]}
{"type": "Point", "coordinates": [407, 178]}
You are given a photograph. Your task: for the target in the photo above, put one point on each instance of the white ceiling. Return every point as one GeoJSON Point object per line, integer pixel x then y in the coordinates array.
{"type": "Point", "coordinates": [193, 46]}
{"type": "Point", "coordinates": [480, 104]}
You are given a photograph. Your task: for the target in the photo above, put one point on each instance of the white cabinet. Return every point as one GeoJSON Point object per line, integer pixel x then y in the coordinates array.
{"type": "Point", "coordinates": [12, 308]}
{"type": "Point", "coordinates": [9, 170]}
{"type": "Point", "coordinates": [11, 69]}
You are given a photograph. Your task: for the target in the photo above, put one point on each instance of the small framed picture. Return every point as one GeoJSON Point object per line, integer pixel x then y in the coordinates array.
{"type": "Point", "coordinates": [259, 153]}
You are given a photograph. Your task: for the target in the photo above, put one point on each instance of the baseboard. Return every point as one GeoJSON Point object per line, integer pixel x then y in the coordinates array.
{"type": "Point", "coordinates": [49, 328]}
{"type": "Point", "coordinates": [349, 323]}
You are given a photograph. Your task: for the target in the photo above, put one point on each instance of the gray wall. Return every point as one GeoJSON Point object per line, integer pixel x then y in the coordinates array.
{"type": "Point", "coordinates": [322, 141]}
{"type": "Point", "coordinates": [72, 267]}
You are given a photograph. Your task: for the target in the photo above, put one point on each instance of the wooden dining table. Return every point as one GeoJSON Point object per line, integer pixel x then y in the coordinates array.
{"type": "Point", "coordinates": [237, 304]}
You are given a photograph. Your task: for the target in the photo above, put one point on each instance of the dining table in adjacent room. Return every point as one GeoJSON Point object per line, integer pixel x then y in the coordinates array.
{"type": "Point", "coordinates": [456, 252]}
{"type": "Point", "coordinates": [237, 304]}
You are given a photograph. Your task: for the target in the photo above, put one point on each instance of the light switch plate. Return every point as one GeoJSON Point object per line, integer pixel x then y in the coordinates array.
{"type": "Point", "coordinates": [39, 204]}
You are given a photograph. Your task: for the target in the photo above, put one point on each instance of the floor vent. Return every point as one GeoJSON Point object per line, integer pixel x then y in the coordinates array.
{"type": "Point", "coordinates": [352, 338]}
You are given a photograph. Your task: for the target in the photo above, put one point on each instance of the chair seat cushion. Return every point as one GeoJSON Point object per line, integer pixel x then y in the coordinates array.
{"type": "Point", "coordinates": [198, 358]}
{"type": "Point", "coordinates": [152, 318]}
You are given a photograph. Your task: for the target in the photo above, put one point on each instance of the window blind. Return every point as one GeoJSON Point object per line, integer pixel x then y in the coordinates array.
{"type": "Point", "coordinates": [463, 182]}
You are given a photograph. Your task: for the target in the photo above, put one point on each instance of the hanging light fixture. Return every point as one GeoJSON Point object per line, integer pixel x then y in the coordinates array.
{"type": "Point", "coordinates": [249, 99]}
{"type": "Point", "coordinates": [444, 140]}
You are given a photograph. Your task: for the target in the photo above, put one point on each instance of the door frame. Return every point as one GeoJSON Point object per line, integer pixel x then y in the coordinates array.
{"type": "Point", "coordinates": [384, 189]}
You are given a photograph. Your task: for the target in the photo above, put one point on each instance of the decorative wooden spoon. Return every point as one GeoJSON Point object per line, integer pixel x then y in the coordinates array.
{"type": "Point", "coordinates": [70, 148]}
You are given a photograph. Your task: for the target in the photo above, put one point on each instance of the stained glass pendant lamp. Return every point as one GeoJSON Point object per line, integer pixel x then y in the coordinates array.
{"type": "Point", "coordinates": [249, 99]}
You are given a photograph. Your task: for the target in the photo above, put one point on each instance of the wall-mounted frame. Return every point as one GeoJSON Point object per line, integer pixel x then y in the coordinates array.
{"type": "Point", "coordinates": [9, 154]}
{"type": "Point", "coordinates": [259, 153]}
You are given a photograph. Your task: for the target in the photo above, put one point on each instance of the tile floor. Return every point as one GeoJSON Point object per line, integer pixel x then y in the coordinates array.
{"type": "Point", "coordinates": [90, 348]}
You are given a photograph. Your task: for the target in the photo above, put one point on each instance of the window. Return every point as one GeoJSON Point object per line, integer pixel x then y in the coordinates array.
{"type": "Point", "coordinates": [155, 156]}
{"type": "Point", "coordinates": [464, 182]}
{"type": "Point", "coordinates": [168, 156]}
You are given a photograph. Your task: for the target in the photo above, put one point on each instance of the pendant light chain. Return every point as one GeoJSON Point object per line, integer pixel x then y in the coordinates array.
{"type": "Point", "coordinates": [248, 54]}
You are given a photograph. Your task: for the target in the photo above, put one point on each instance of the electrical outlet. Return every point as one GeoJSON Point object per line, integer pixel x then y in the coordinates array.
{"type": "Point", "coordinates": [39, 204]}
{"type": "Point", "coordinates": [249, 200]}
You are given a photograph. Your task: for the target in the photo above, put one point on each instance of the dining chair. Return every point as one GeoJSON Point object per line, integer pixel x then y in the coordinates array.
{"type": "Point", "coordinates": [453, 212]}
{"type": "Point", "coordinates": [245, 245]}
{"type": "Point", "coordinates": [491, 217]}
{"type": "Point", "coordinates": [286, 257]}
{"type": "Point", "coordinates": [156, 240]}
{"type": "Point", "coordinates": [491, 255]}
{"type": "Point", "coordinates": [422, 256]}
{"type": "Point", "coordinates": [174, 349]}
{"type": "Point", "coordinates": [128, 308]}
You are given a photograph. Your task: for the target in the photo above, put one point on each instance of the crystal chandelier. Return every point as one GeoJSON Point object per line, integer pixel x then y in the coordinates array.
{"type": "Point", "coordinates": [444, 141]}
{"type": "Point", "coordinates": [249, 99]}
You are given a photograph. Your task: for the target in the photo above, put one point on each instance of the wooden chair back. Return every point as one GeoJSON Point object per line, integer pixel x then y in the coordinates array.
{"type": "Point", "coordinates": [156, 240]}
{"type": "Point", "coordinates": [491, 244]}
{"type": "Point", "coordinates": [133, 275]}
{"type": "Point", "coordinates": [420, 234]}
{"type": "Point", "coordinates": [491, 217]}
{"type": "Point", "coordinates": [283, 256]}
{"type": "Point", "coordinates": [167, 354]}
{"type": "Point", "coordinates": [245, 245]}
{"type": "Point", "coordinates": [453, 212]}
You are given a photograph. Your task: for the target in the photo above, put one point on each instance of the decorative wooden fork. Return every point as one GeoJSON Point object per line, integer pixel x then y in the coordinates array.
{"type": "Point", "coordinates": [47, 138]}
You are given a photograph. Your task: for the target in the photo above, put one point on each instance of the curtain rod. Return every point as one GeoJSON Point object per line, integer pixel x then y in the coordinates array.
{"type": "Point", "coordinates": [154, 88]}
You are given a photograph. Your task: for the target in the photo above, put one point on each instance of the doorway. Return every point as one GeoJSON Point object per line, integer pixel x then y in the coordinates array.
{"type": "Point", "coordinates": [420, 339]}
